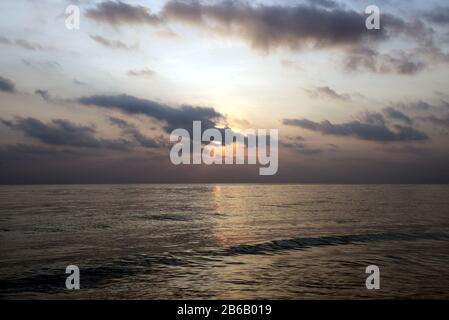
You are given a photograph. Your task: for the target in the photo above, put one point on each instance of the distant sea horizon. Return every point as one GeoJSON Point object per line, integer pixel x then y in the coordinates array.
{"type": "Point", "coordinates": [231, 183]}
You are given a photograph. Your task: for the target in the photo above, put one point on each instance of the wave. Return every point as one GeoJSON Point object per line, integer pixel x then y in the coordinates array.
{"type": "Point", "coordinates": [99, 272]}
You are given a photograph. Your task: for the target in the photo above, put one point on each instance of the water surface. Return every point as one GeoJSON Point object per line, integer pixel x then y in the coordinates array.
{"type": "Point", "coordinates": [224, 241]}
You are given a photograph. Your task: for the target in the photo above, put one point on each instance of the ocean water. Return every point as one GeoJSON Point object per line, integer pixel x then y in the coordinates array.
{"type": "Point", "coordinates": [224, 241]}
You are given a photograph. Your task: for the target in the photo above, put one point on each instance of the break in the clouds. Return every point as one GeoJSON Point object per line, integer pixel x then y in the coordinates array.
{"type": "Point", "coordinates": [174, 118]}
{"type": "Point", "coordinates": [7, 85]}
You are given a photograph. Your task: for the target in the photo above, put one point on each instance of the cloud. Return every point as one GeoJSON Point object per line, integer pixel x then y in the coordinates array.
{"type": "Point", "coordinates": [119, 13]}
{"type": "Point", "coordinates": [48, 64]}
{"type": "Point", "coordinates": [21, 43]}
{"type": "Point", "coordinates": [291, 64]}
{"type": "Point", "coordinates": [143, 73]}
{"type": "Point", "coordinates": [438, 15]}
{"type": "Point", "coordinates": [269, 27]}
{"type": "Point", "coordinates": [422, 106]}
{"type": "Point", "coordinates": [365, 58]}
{"type": "Point", "coordinates": [28, 149]}
{"type": "Point", "coordinates": [397, 115]}
{"type": "Point", "coordinates": [113, 44]}
{"type": "Point", "coordinates": [7, 85]}
{"type": "Point", "coordinates": [324, 3]}
{"type": "Point", "coordinates": [327, 93]}
{"type": "Point", "coordinates": [370, 131]}
{"type": "Point", "coordinates": [301, 148]}
{"type": "Point", "coordinates": [313, 24]}
{"type": "Point", "coordinates": [440, 121]}
{"type": "Point", "coordinates": [4, 40]}
{"type": "Point", "coordinates": [78, 82]}
{"type": "Point", "coordinates": [43, 93]}
{"type": "Point", "coordinates": [407, 149]}
{"type": "Point", "coordinates": [20, 163]}
{"type": "Point", "coordinates": [318, 25]}
{"type": "Point", "coordinates": [63, 132]}
{"type": "Point", "coordinates": [47, 96]}
{"type": "Point", "coordinates": [132, 131]}
{"type": "Point", "coordinates": [373, 118]}
{"type": "Point", "coordinates": [181, 117]}
{"type": "Point", "coordinates": [418, 105]}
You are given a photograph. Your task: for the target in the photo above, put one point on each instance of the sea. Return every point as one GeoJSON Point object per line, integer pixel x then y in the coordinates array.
{"type": "Point", "coordinates": [224, 241]}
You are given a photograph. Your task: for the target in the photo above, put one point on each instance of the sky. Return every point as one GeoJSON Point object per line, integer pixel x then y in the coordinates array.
{"type": "Point", "coordinates": [97, 105]}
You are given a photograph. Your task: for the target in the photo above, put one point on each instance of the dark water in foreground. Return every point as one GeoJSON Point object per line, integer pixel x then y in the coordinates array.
{"type": "Point", "coordinates": [224, 241]}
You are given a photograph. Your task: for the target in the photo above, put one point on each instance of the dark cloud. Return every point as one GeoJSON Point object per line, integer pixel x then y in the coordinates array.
{"type": "Point", "coordinates": [377, 131]}
{"type": "Point", "coordinates": [397, 115]}
{"type": "Point", "coordinates": [21, 163]}
{"type": "Point", "coordinates": [27, 149]}
{"type": "Point", "coordinates": [422, 106]}
{"type": "Point", "coordinates": [418, 105]}
{"type": "Point", "coordinates": [78, 82]}
{"type": "Point", "coordinates": [122, 124]}
{"type": "Point", "coordinates": [29, 45]}
{"type": "Point", "coordinates": [373, 118]}
{"type": "Point", "coordinates": [438, 15]}
{"type": "Point", "coordinates": [118, 13]}
{"type": "Point", "coordinates": [313, 24]}
{"type": "Point", "coordinates": [143, 73]}
{"type": "Point", "coordinates": [7, 85]}
{"type": "Point", "coordinates": [47, 96]}
{"type": "Point", "coordinates": [131, 130]}
{"type": "Point", "coordinates": [4, 40]}
{"type": "Point", "coordinates": [63, 132]}
{"type": "Point", "coordinates": [43, 93]}
{"type": "Point", "coordinates": [268, 27]}
{"type": "Point", "coordinates": [407, 149]}
{"type": "Point", "coordinates": [301, 148]}
{"type": "Point", "coordinates": [365, 58]}
{"type": "Point", "coordinates": [327, 93]}
{"type": "Point", "coordinates": [25, 152]}
{"type": "Point", "coordinates": [113, 44]}
{"type": "Point", "coordinates": [181, 117]}
{"type": "Point", "coordinates": [439, 121]}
